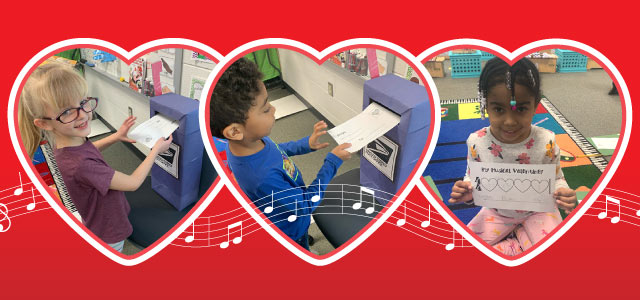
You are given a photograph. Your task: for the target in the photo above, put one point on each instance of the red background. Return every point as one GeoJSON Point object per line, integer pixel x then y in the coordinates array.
{"type": "Point", "coordinates": [40, 255]}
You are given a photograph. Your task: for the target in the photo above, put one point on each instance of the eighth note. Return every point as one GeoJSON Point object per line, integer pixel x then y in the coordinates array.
{"type": "Point", "coordinates": [190, 238]}
{"type": "Point", "coordinates": [293, 217]}
{"type": "Point", "coordinates": [358, 205]}
{"type": "Point", "coordinates": [236, 240]}
{"type": "Point", "coordinates": [427, 222]}
{"type": "Point", "coordinates": [32, 205]}
{"type": "Point", "coordinates": [403, 221]}
{"type": "Point", "coordinates": [269, 209]}
{"type": "Point", "coordinates": [603, 214]}
{"type": "Point", "coordinates": [451, 245]}
{"type": "Point", "coordinates": [19, 190]}
{"type": "Point", "coordinates": [316, 198]}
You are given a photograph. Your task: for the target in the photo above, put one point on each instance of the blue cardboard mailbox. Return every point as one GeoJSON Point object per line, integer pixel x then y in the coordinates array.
{"type": "Point", "coordinates": [387, 162]}
{"type": "Point", "coordinates": [175, 174]}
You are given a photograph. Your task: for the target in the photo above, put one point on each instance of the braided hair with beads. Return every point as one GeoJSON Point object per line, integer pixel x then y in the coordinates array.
{"type": "Point", "coordinates": [496, 71]}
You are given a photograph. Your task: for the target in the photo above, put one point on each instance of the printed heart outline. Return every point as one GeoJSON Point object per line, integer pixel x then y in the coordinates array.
{"type": "Point", "coordinates": [598, 186]}
{"type": "Point", "coordinates": [489, 184]}
{"type": "Point", "coordinates": [319, 57]}
{"type": "Point", "coordinates": [522, 184]}
{"type": "Point", "coordinates": [505, 184]}
{"type": "Point", "coordinates": [128, 57]}
{"type": "Point", "coordinates": [539, 185]}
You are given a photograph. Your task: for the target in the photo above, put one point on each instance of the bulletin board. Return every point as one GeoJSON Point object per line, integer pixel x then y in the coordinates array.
{"type": "Point", "coordinates": [366, 63]}
{"type": "Point", "coordinates": [155, 73]}
{"type": "Point", "coordinates": [195, 70]}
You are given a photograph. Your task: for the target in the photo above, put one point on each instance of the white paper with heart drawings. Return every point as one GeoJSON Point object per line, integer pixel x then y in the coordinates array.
{"type": "Point", "coordinates": [513, 186]}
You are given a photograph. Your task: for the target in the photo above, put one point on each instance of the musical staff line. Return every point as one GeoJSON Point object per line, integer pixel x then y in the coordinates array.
{"type": "Point", "coordinates": [17, 201]}
{"type": "Point", "coordinates": [409, 218]}
{"type": "Point", "coordinates": [436, 230]}
{"type": "Point", "coordinates": [213, 230]}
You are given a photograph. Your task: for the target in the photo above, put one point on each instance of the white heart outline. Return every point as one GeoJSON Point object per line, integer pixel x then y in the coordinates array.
{"type": "Point", "coordinates": [35, 179]}
{"type": "Point", "coordinates": [602, 182]}
{"type": "Point", "coordinates": [301, 47]}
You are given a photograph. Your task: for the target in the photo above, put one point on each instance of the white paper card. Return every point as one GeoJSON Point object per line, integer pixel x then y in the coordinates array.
{"type": "Point", "coordinates": [605, 143]}
{"type": "Point", "coordinates": [514, 186]}
{"type": "Point", "coordinates": [288, 105]}
{"type": "Point", "coordinates": [150, 131]}
{"type": "Point", "coordinates": [373, 122]}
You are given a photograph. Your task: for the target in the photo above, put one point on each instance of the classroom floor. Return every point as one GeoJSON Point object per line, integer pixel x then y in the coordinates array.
{"type": "Point", "coordinates": [581, 97]}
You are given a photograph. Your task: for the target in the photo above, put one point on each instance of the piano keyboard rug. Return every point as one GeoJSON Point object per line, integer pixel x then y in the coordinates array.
{"type": "Point", "coordinates": [462, 117]}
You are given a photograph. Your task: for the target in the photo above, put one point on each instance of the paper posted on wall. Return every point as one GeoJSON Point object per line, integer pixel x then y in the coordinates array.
{"type": "Point", "coordinates": [372, 123]}
{"type": "Point", "coordinates": [150, 131]}
{"type": "Point", "coordinates": [513, 186]}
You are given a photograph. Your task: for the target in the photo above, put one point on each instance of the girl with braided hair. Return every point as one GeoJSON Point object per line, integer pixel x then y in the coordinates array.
{"type": "Point", "coordinates": [509, 95]}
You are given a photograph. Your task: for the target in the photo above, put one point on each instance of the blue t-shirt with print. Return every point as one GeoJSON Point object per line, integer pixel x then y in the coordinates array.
{"type": "Point", "coordinates": [271, 171]}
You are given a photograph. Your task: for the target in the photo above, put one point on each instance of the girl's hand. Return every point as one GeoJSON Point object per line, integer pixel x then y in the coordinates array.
{"type": "Point", "coordinates": [162, 145]}
{"type": "Point", "coordinates": [566, 199]}
{"type": "Point", "coordinates": [122, 133]}
{"type": "Point", "coordinates": [318, 130]}
{"type": "Point", "coordinates": [461, 192]}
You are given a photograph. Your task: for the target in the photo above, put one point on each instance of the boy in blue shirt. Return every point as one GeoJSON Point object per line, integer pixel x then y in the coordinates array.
{"type": "Point", "coordinates": [242, 114]}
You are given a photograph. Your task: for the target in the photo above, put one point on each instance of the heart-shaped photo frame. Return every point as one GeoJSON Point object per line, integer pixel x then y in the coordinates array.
{"type": "Point", "coordinates": [577, 161]}
{"type": "Point", "coordinates": [107, 69]}
{"type": "Point", "coordinates": [337, 74]}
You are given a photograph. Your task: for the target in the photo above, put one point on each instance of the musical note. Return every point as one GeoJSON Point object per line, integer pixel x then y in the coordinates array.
{"type": "Point", "coordinates": [5, 216]}
{"type": "Point", "coordinates": [451, 245]}
{"type": "Point", "coordinates": [358, 205]}
{"type": "Point", "coordinates": [190, 238]}
{"type": "Point", "coordinates": [426, 223]}
{"type": "Point", "coordinates": [269, 209]}
{"type": "Point", "coordinates": [603, 214]}
{"type": "Point", "coordinates": [316, 198]}
{"type": "Point", "coordinates": [32, 205]}
{"type": "Point", "coordinates": [236, 240]}
{"type": "Point", "coordinates": [293, 217]}
{"type": "Point", "coordinates": [403, 221]}
{"type": "Point", "coordinates": [19, 190]}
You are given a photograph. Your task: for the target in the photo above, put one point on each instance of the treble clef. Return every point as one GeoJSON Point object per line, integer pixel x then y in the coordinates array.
{"type": "Point", "coordinates": [5, 216]}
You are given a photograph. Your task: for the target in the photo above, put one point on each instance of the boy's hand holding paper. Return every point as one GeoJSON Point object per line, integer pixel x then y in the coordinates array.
{"type": "Point", "coordinates": [372, 123]}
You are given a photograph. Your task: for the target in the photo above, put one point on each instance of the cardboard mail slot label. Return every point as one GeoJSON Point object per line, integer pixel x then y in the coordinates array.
{"type": "Point", "coordinates": [168, 160]}
{"type": "Point", "coordinates": [382, 153]}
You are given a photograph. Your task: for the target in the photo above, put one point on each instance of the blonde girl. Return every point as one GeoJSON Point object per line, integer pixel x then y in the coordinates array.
{"type": "Point", "coordinates": [54, 106]}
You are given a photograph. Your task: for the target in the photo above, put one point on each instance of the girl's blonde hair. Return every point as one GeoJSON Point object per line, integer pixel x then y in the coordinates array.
{"type": "Point", "coordinates": [50, 87]}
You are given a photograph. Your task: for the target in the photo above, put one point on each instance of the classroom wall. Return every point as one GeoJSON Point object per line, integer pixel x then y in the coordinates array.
{"type": "Point", "coordinates": [310, 80]}
{"type": "Point", "coordinates": [115, 99]}
{"type": "Point", "coordinates": [402, 69]}
{"type": "Point", "coordinates": [194, 74]}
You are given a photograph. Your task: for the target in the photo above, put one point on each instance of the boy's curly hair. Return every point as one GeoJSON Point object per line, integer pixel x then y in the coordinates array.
{"type": "Point", "coordinates": [233, 95]}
